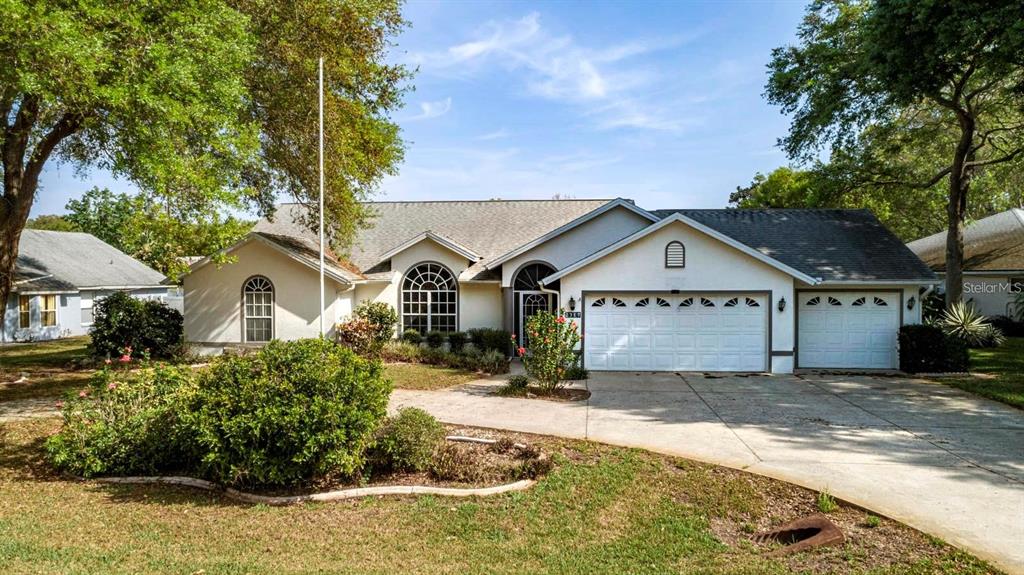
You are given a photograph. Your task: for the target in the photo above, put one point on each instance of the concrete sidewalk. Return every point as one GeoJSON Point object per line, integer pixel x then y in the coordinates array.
{"type": "Point", "coordinates": [944, 461]}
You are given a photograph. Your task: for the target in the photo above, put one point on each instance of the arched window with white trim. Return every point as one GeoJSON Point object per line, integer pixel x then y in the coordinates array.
{"type": "Point", "coordinates": [258, 310]}
{"type": "Point", "coordinates": [429, 299]}
{"type": "Point", "coordinates": [675, 255]}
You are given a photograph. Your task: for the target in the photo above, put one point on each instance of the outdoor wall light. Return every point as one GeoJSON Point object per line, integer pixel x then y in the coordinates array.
{"type": "Point", "coordinates": [782, 304]}
{"type": "Point", "coordinates": [911, 302]}
{"type": "Point", "coordinates": [572, 303]}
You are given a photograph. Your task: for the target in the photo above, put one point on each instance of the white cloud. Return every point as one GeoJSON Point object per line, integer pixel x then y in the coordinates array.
{"type": "Point", "coordinates": [430, 110]}
{"type": "Point", "coordinates": [499, 134]}
{"type": "Point", "coordinates": [606, 83]}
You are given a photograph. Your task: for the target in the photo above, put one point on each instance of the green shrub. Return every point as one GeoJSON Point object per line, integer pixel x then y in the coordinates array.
{"type": "Point", "coordinates": [962, 321]}
{"type": "Point", "coordinates": [927, 349]}
{"type": "Point", "coordinates": [126, 424]}
{"type": "Point", "coordinates": [412, 336]}
{"type": "Point", "coordinates": [493, 362]}
{"type": "Point", "coordinates": [1008, 326]}
{"type": "Point", "coordinates": [400, 351]}
{"type": "Point", "coordinates": [123, 324]}
{"type": "Point", "coordinates": [553, 340]}
{"type": "Point", "coordinates": [576, 371]}
{"type": "Point", "coordinates": [518, 381]}
{"type": "Point", "coordinates": [471, 351]}
{"type": "Point", "coordinates": [360, 336]}
{"type": "Point", "coordinates": [381, 316]}
{"type": "Point", "coordinates": [292, 412]}
{"type": "Point", "coordinates": [488, 339]}
{"type": "Point", "coordinates": [435, 339]}
{"type": "Point", "coordinates": [872, 521]}
{"type": "Point", "coordinates": [457, 340]}
{"type": "Point", "coordinates": [407, 441]}
{"type": "Point", "coordinates": [453, 463]}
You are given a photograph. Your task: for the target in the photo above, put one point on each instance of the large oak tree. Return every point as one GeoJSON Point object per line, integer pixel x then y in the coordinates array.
{"type": "Point", "coordinates": [916, 92]}
{"type": "Point", "coordinates": [203, 104]}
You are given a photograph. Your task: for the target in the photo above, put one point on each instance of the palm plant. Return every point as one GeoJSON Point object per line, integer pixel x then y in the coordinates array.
{"type": "Point", "coordinates": [962, 321]}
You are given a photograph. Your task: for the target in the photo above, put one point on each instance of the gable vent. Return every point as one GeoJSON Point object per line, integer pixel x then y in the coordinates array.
{"type": "Point", "coordinates": [675, 255]}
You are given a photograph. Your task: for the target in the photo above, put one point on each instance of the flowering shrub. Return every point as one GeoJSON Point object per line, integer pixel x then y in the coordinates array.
{"type": "Point", "coordinates": [125, 423]}
{"type": "Point", "coordinates": [551, 340]}
{"type": "Point", "coordinates": [381, 316]}
{"type": "Point", "coordinates": [121, 321]}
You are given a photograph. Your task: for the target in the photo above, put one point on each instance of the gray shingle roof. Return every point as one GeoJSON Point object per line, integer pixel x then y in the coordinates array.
{"type": "Point", "coordinates": [69, 261]}
{"type": "Point", "coordinates": [490, 228]}
{"type": "Point", "coordinates": [308, 252]}
{"type": "Point", "coordinates": [992, 243]}
{"type": "Point", "coordinates": [834, 245]}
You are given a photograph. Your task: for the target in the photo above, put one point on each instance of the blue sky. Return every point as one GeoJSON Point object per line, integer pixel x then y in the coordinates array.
{"type": "Point", "coordinates": [658, 102]}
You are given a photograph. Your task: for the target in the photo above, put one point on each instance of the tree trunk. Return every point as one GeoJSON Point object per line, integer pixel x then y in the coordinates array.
{"type": "Point", "coordinates": [956, 210]}
{"type": "Point", "coordinates": [14, 210]}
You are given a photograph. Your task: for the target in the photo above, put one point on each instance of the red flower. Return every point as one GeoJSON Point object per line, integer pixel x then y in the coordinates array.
{"type": "Point", "coordinates": [561, 319]}
{"type": "Point", "coordinates": [112, 386]}
{"type": "Point", "coordinates": [125, 358]}
{"type": "Point", "coordinates": [521, 351]}
{"type": "Point", "coordinates": [83, 393]}
{"type": "Point", "coordinates": [107, 361]}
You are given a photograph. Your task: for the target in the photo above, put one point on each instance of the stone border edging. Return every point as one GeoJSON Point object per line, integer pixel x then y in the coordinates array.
{"type": "Point", "coordinates": [338, 495]}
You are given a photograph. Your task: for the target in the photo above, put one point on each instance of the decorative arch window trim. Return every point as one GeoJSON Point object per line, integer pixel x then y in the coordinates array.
{"type": "Point", "coordinates": [833, 301]}
{"type": "Point", "coordinates": [881, 302]}
{"type": "Point", "coordinates": [732, 302]}
{"type": "Point", "coordinates": [430, 298]}
{"type": "Point", "coordinates": [598, 302]}
{"type": "Point", "coordinates": [618, 302]}
{"type": "Point", "coordinates": [858, 302]}
{"type": "Point", "coordinates": [643, 302]}
{"type": "Point", "coordinates": [705, 302]}
{"type": "Point", "coordinates": [663, 303]}
{"type": "Point", "coordinates": [814, 301]}
{"type": "Point", "coordinates": [675, 254]}
{"type": "Point", "coordinates": [751, 302]}
{"type": "Point", "coordinates": [686, 302]}
{"type": "Point", "coordinates": [258, 309]}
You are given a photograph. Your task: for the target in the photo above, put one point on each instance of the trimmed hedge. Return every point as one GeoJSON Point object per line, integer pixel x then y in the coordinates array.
{"type": "Point", "coordinates": [927, 349]}
{"type": "Point", "coordinates": [487, 339]}
{"type": "Point", "coordinates": [406, 441]}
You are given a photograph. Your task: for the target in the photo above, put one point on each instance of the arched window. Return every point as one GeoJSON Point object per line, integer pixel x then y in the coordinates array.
{"type": "Point", "coordinates": [258, 309]}
{"type": "Point", "coordinates": [675, 255]}
{"type": "Point", "coordinates": [429, 299]}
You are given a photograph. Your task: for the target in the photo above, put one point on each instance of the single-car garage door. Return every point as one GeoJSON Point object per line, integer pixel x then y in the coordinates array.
{"type": "Point", "coordinates": [848, 330]}
{"type": "Point", "coordinates": [691, 332]}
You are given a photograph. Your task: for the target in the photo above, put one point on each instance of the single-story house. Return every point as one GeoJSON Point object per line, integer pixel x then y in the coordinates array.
{"type": "Point", "coordinates": [59, 276]}
{"type": "Point", "coordinates": [677, 290]}
{"type": "Point", "coordinates": [993, 260]}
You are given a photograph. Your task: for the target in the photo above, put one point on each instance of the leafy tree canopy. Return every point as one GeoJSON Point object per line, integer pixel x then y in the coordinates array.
{"type": "Point", "coordinates": [905, 94]}
{"type": "Point", "coordinates": [51, 222]}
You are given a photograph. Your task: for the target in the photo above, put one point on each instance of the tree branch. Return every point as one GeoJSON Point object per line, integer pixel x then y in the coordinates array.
{"type": "Point", "coordinates": [67, 124]}
{"type": "Point", "coordinates": [16, 136]}
{"type": "Point", "coordinates": [916, 185]}
{"type": "Point", "coordinates": [1005, 158]}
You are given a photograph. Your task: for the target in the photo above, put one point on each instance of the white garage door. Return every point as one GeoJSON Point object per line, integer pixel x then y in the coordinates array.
{"type": "Point", "coordinates": [848, 329]}
{"type": "Point", "coordinates": [693, 332]}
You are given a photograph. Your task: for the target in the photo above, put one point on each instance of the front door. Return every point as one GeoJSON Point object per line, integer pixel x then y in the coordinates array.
{"type": "Point", "coordinates": [531, 303]}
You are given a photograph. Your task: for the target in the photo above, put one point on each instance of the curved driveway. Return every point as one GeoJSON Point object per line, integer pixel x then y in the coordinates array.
{"type": "Point", "coordinates": [944, 461]}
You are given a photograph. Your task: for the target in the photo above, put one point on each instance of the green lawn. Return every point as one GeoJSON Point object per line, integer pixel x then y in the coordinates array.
{"type": "Point", "coordinates": [419, 376]}
{"type": "Point", "coordinates": [603, 510]}
{"type": "Point", "coordinates": [1003, 373]}
{"type": "Point", "coordinates": [47, 355]}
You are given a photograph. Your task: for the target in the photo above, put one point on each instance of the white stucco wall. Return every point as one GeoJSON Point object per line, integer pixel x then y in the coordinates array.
{"type": "Point", "coordinates": [578, 242]}
{"type": "Point", "coordinates": [479, 305]}
{"type": "Point", "coordinates": [710, 266]}
{"type": "Point", "coordinates": [991, 295]}
{"type": "Point", "coordinates": [213, 296]}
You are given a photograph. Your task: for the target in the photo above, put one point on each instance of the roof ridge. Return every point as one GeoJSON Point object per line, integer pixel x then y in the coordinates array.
{"type": "Point", "coordinates": [495, 201]}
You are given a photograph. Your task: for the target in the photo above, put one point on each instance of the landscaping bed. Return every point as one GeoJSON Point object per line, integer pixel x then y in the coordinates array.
{"type": "Point", "coordinates": [600, 509]}
{"type": "Point", "coordinates": [565, 394]}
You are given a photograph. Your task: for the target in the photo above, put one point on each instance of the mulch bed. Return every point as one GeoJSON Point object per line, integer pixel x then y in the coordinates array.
{"type": "Point", "coordinates": [565, 394]}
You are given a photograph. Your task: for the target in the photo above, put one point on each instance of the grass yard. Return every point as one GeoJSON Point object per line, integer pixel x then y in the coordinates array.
{"type": "Point", "coordinates": [602, 510]}
{"type": "Point", "coordinates": [1003, 368]}
{"type": "Point", "coordinates": [427, 377]}
{"type": "Point", "coordinates": [42, 356]}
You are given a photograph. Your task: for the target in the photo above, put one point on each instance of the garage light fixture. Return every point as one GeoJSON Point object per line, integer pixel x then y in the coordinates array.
{"type": "Point", "coordinates": [572, 303]}
{"type": "Point", "coordinates": [911, 302]}
{"type": "Point", "coordinates": [782, 304]}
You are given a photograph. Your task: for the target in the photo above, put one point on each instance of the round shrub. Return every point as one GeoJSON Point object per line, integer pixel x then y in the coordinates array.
{"type": "Point", "coordinates": [407, 441]}
{"type": "Point", "coordinates": [457, 340]}
{"type": "Point", "coordinates": [551, 344]}
{"type": "Point", "coordinates": [121, 321]}
{"type": "Point", "coordinates": [927, 349]}
{"type": "Point", "coordinates": [518, 381]}
{"type": "Point", "coordinates": [126, 423]}
{"type": "Point", "coordinates": [412, 336]}
{"type": "Point", "coordinates": [435, 339]}
{"type": "Point", "coordinates": [359, 335]}
{"type": "Point", "coordinates": [293, 412]}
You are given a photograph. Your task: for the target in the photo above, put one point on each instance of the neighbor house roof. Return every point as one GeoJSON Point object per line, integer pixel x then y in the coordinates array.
{"type": "Point", "coordinates": [69, 261]}
{"type": "Point", "coordinates": [489, 228]}
{"type": "Point", "coordinates": [995, 243]}
{"type": "Point", "coordinates": [831, 245]}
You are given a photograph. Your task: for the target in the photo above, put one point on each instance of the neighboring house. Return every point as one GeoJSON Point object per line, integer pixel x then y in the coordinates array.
{"type": "Point", "coordinates": [677, 290]}
{"type": "Point", "coordinates": [993, 260]}
{"type": "Point", "coordinates": [59, 276]}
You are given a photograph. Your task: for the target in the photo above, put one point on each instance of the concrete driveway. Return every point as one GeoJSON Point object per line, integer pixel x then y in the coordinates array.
{"type": "Point", "coordinates": [944, 461]}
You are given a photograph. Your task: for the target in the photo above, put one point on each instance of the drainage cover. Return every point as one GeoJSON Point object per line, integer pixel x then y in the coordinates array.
{"type": "Point", "coordinates": [802, 534]}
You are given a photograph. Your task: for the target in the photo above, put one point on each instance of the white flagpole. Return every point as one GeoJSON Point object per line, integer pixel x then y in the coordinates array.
{"type": "Point", "coordinates": [321, 93]}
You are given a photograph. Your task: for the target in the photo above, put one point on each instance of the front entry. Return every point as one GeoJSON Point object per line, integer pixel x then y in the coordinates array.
{"type": "Point", "coordinates": [527, 298]}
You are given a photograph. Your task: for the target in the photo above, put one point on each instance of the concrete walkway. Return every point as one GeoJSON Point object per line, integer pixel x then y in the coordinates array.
{"type": "Point", "coordinates": [944, 461]}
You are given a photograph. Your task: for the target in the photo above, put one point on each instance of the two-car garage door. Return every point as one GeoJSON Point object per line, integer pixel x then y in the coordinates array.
{"type": "Point", "coordinates": [691, 332]}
